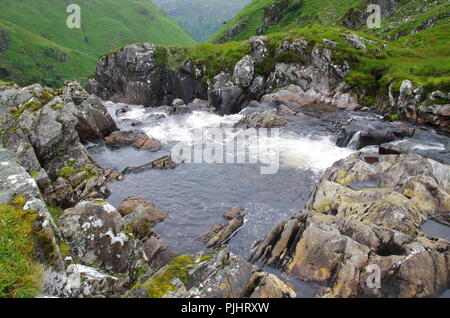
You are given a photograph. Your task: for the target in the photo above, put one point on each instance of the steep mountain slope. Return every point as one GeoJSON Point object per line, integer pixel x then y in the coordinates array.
{"type": "Point", "coordinates": [37, 46]}
{"type": "Point", "coordinates": [202, 18]}
{"type": "Point", "coordinates": [400, 17]}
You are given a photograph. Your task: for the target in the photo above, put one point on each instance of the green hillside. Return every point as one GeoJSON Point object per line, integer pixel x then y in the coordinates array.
{"type": "Point", "coordinates": [202, 18]}
{"type": "Point", "coordinates": [268, 16]}
{"type": "Point", "coordinates": [39, 47]}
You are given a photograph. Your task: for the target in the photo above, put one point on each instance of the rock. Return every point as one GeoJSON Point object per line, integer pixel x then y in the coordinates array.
{"type": "Point", "coordinates": [330, 43]}
{"type": "Point", "coordinates": [90, 282]}
{"type": "Point", "coordinates": [178, 102]}
{"type": "Point", "coordinates": [134, 138]}
{"type": "Point", "coordinates": [94, 121]}
{"type": "Point", "coordinates": [165, 162]}
{"type": "Point", "coordinates": [270, 286]}
{"type": "Point", "coordinates": [45, 128]}
{"type": "Point", "coordinates": [357, 135]}
{"type": "Point", "coordinates": [258, 48]}
{"type": "Point", "coordinates": [368, 213]}
{"type": "Point", "coordinates": [134, 75]}
{"type": "Point", "coordinates": [244, 71]}
{"type": "Point", "coordinates": [355, 40]}
{"type": "Point", "coordinates": [218, 274]}
{"type": "Point", "coordinates": [143, 218]}
{"type": "Point", "coordinates": [132, 203]}
{"type": "Point", "coordinates": [257, 120]}
{"type": "Point", "coordinates": [221, 233]}
{"type": "Point", "coordinates": [93, 230]}
{"type": "Point", "coordinates": [4, 41]}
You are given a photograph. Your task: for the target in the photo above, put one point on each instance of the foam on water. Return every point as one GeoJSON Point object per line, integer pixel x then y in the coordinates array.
{"type": "Point", "coordinates": [295, 151]}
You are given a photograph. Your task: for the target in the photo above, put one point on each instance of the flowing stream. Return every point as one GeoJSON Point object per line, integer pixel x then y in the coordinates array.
{"type": "Point", "coordinates": [195, 195]}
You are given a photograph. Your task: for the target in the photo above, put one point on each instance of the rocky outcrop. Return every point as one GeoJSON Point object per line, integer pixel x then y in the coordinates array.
{"type": "Point", "coordinates": [366, 214]}
{"type": "Point", "coordinates": [234, 30]}
{"type": "Point", "coordinates": [432, 109]}
{"type": "Point", "coordinates": [134, 138]}
{"type": "Point", "coordinates": [4, 41]}
{"type": "Point", "coordinates": [219, 274]}
{"type": "Point", "coordinates": [45, 128]}
{"type": "Point", "coordinates": [140, 74]}
{"type": "Point", "coordinates": [221, 233]}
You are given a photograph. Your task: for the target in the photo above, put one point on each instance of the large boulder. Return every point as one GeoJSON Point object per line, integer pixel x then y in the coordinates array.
{"type": "Point", "coordinates": [218, 274]}
{"type": "Point", "coordinates": [45, 127]}
{"type": "Point", "coordinates": [139, 74]}
{"type": "Point", "coordinates": [244, 71]}
{"type": "Point", "coordinates": [367, 213]}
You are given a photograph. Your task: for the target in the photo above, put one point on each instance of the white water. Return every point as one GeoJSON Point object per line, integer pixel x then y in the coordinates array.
{"type": "Point", "coordinates": [295, 151]}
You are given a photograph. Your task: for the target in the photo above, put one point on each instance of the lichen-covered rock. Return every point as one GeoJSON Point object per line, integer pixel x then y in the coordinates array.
{"type": "Point", "coordinates": [368, 211]}
{"type": "Point", "coordinates": [134, 138]}
{"type": "Point", "coordinates": [221, 233]}
{"type": "Point", "coordinates": [432, 109]}
{"type": "Point", "coordinates": [219, 274]}
{"type": "Point", "coordinates": [244, 70]}
{"type": "Point", "coordinates": [93, 231]}
{"type": "Point", "coordinates": [45, 127]}
{"type": "Point", "coordinates": [137, 74]}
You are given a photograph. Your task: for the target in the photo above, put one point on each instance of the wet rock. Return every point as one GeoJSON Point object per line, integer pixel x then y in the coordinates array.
{"type": "Point", "coordinates": [258, 120]}
{"type": "Point", "coordinates": [363, 213]}
{"type": "Point", "coordinates": [132, 203]}
{"type": "Point", "coordinates": [358, 135]}
{"type": "Point", "coordinates": [165, 162]}
{"type": "Point", "coordinates": [221, 233]}
{"type": "Point", "coordinates": [244, 71]}
{"type": "Point", "coordinates": [178, 102]}
{"type": "Point", "coordinates": [134, 138]}
{"type": "Point", "coordinates": [225, 96]}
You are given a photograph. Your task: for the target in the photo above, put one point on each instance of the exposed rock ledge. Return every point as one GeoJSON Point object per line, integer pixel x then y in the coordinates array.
{"type": "Point", "coordinates": [368, 211]}
{"type": "Point", "coordinates": [45, 128]}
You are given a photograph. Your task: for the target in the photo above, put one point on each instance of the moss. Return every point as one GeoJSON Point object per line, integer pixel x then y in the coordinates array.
{"type": "Point", "coordinates": [161, 283]}
{"type": "Point", "coordinates": [57, 107]}
{"type": "Point", "coordinates": [34, 173]}
{"type": "Point", "coordinates": [20, 272]}
{"type": "Point", "coordinates": [64, 249]}
{"type": "Point", "coordinates": [68, 171]}
{"type": "Point", "coordinates": [32, 105]}
{"type": "Point", "coordinates": [205, 258]}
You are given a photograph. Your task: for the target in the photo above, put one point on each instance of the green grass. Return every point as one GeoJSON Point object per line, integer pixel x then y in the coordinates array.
{"type": "Point", "coordinates": [37, 28]}
{"type": "Point", "coordinates": [20, 273]}
{"type": "Point", "coordinates": [302, 13]}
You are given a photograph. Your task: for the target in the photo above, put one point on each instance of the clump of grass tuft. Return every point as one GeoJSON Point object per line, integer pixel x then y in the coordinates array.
{"type": "Point", "coordinates": [20, 273]}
